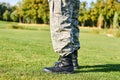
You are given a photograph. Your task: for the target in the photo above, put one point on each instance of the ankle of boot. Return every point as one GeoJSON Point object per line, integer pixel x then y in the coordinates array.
{"type": "Point", "coordinates": [67, 60]}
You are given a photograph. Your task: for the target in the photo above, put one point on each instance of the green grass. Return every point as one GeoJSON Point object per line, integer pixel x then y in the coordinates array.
{"type": "Point", "coordinates": [5, 25]}
{"type": "Point", "coordinates": [24, 53]}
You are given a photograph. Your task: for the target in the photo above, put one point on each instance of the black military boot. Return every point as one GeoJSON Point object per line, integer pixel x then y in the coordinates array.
{"type": "Point", "coordinates": [64, 66]}
{"type": "Point", "coordinates": [75, 60]}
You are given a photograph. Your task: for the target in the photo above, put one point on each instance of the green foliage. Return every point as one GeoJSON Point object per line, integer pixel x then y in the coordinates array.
{"type": "Point", "coordinates": [27, 11]}
{"type": "Point", "coordinates": [101, 13]}
{"type": "Point", "coordinates": [6, 15]}
{"type": "Point", "coordinates": [82, 14]}
{"type": "Point", "coordinates": [14, 16]}
{"type": "Point", "coordinates": [35, 10]}
{"type": "Point", "coordinates": [5, 11]}
{"type": "Point", "coordinates": [3, 7]}
{"type": "Point", "coordinates": [18, 11]}
{"type": "Point", "coordinates": [115, 20]}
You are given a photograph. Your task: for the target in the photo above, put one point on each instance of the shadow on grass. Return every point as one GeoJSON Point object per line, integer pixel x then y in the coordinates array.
{"type": "Point", "coordinates": [100, 68]}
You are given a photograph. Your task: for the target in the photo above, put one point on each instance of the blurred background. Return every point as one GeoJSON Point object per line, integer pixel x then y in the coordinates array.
{"type": "Point", "coordinates": [92, 13]}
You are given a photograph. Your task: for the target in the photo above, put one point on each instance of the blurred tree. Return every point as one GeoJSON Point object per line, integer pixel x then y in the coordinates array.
{"type": "Point", "coordinates": [6, 15]}
{"type": "Point", "coordinates": [100, 21]}
{"type": "Point", "coordinates": [14, 16]}
{"type": "Point", "coordinates": [101, 12]}
{"type": "Point", "coordinates": [115, 20]}
{"type": "Point", "coordinates": [35, 10]}
{"type": "Point", "coordinates": [82, 15]}
{"type": "Point", "coordinates": [105, 7]}
{"type": "Point", "coordinates": [43, 11]}
{"type": "Point", "coordinates": [3, 8]}
{"type": "Point", "coordinates": [18, 11]}
{"type": "Point", "coordinates": [110, 10]}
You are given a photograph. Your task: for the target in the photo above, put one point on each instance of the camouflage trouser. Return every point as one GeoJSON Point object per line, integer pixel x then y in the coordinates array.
{"type": "Point", "coordinates": [64, 25]}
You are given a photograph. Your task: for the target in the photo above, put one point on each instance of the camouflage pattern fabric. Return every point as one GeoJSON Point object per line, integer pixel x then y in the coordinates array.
{"type": "Point", "coordinates": [64, 25]}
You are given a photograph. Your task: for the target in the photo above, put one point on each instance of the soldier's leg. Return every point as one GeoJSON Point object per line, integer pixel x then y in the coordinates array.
{"type": "Point", "coordinates": [61, 27]}
{"type": "Point", "coordinates": [75, 14]}
{"type": "Point", "coordinates": [62, 34]}
{"type": "Point", "coordinates": [75, 33]}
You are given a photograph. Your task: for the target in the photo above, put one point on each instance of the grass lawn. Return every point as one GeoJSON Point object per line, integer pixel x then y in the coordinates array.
{"type": "Point", "coordinates": [24, 53]}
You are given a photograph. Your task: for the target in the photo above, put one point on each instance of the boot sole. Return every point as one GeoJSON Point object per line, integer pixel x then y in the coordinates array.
{"type": "Point", "coordinates": [64, 72]}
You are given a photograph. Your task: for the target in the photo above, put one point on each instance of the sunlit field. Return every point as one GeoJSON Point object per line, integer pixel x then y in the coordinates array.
{"type": "Point", "coordinates": [26, 51]}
